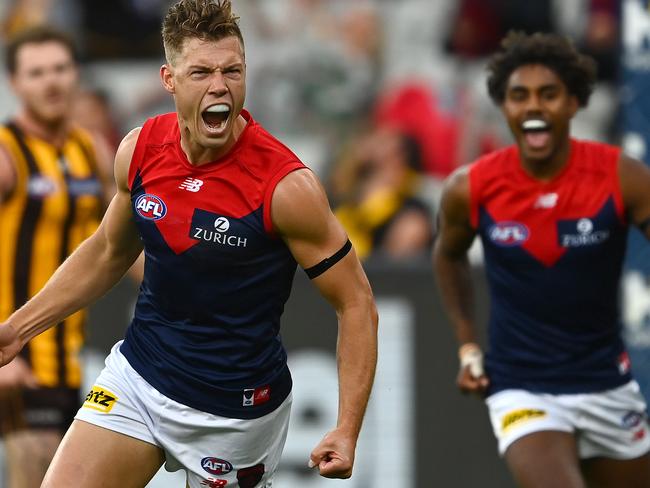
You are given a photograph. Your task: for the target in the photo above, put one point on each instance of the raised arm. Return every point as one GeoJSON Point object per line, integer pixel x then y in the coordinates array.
{"type": "Point", "coordinates": [90, 271]}
{"type": "Point", "coordinates": [302, 216]}
{"type": "Point", "coordinates": [634, 177]}
{"type": "Point", "coordinates": [452, 271]}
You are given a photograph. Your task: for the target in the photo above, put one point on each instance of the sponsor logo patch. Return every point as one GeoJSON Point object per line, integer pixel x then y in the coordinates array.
{"type": "Point", "coordinates": [508, 234]}
{"type": "Point", "coordinates": [40, 186]}
{"type": "Point", "coordinates": [581, 233]}
{"type": "Point", "coordinates": [516, 417]}
{"type": "Point", "coordinates": [221, 224]}
{"type": "Point", "coordinates": [87, 186]}
{"type": "Point", "coordinates": [150, 207]}
{"type": "Point", "coordinates": [216, 230]}
{"type": "Point", "coordinates": [256, 396]}
{"type": "Point", "coordinates": [100, 399]}
{"type": "Point", "coordinates": [547, 200]}
{"type": "Point", "coordinates": [214, 465]}
{"type": "Point", "coordinates": [191, 184]}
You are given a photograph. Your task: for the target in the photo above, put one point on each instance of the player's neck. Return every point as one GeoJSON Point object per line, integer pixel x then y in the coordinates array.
{"type": "Point", "coordinates": [547, 169]}
{"type": "Point", "coordinates": [198, 155]}
{"type": "Point", "coordinates": [54, 133]}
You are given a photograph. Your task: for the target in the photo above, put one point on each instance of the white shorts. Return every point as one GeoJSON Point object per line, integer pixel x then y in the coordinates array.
{"type": "Point", "coordinates": [611, 423]}
{"type": "Point", "coordinates": [213, 450]}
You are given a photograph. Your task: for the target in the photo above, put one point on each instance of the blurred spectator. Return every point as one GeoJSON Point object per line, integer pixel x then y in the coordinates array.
{"type": "Point", "coordinates": [317, 64]}
{"type": "Point", "coordinates": [377, 182]}
{"type": "Point", "coordinates": [415, 109]}
{"type": "Point", "coordinates": [92, 110]}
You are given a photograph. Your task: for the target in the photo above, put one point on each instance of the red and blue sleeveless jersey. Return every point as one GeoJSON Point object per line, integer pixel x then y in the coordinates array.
{"type": "Point", "coordinates": [553, 255]}
{"type": "Point", "coordinates": [206, 328]}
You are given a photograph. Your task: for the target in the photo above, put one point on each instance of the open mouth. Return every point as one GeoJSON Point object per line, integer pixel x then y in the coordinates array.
{"type": "Point", "coordinates": [537, 133]}
{"type": "Point", "coordinates": [216, 116]}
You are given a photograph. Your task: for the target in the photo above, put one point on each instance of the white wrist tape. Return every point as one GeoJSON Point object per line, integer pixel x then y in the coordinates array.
{"type": "Point", "coordinates": [471, 356]}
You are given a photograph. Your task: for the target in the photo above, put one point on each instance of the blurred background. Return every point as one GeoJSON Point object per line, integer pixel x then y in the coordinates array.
{"type": "Point", "coordinates": [382, 99]}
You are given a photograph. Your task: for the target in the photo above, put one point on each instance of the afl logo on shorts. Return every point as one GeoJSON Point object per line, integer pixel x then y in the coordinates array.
{"type": "Point", "coordinates": [508, 234]}
{"type": "Point", "coordinates": [215, 465]}
{"type": "Point", "coordinates": [150, 207]}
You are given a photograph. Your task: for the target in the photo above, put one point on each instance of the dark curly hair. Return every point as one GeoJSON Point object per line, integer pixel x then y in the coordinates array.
{"type": "Point", "coordinates": [209, 20]}
{"type": "Point", "coordinates": [577, 71]}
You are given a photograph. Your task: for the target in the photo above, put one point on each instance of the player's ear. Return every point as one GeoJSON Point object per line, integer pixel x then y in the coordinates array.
{"type": "Point", "coordinates": [167, 78]}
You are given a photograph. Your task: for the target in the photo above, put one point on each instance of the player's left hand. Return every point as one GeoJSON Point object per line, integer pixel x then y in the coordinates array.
{"type": "Point", "coordinates": [334, 455]}
{"type": "Point", "coordinates": [10, 344]}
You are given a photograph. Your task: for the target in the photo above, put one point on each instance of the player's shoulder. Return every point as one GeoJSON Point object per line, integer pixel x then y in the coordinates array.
{"type": "Point", "coordinates": [589, 151]}
{"type": "Point", "coordinates": [479, 172]}
{"type": "Point", "coordinates": [265, 153]}
{"type": "Point", "coordinates": [594, 147]}
{"type": "Point", "coordinates": [300, 205]}
{"type": "Point", "coordinates": [128, 143]}
{"type": "Point", "coordinates": [5, 131]}
{"type": "Point", "coordinates": [124, 155]}
{"type": "Point", "coordinates": [156, 130]}
{"type": "Point", "coordinates": [494, 162]}
{"type": "Point", "coordinates": [9, 135]}
{"type": "Point", "coordinates": [160, 129]}
{"type": "Point", "coordinates": [593, 157]}
{"type": "Point", "coordinates": [456, 187]}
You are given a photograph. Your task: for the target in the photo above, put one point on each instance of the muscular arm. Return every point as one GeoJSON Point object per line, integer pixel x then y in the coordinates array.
{"type": "Point", "coordinates": [302, 216]}
{"type": "Point", "coordinates": [634, 177]}
{"type": "Point", "coordinates": [88, 273]}
{"type": "Point", "coordinates": [452, 271]}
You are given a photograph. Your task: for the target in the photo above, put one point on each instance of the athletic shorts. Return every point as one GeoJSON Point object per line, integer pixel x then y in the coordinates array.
{"type": "Point", "coordinates": [610, 423]}
{"type": "Point", "coordinates": [214, 451]}
{"type": "Point", "coordinates": [38, 408]}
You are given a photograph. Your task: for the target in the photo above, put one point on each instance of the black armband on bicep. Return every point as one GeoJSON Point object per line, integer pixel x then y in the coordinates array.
{"type": "Point", "coordinates": [327, 263]}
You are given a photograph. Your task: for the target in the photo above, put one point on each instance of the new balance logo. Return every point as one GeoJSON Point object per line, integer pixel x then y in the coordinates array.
{"type": "Point", "coordinates": [548, 200]}
{"type": "Point", "coordinates": [191, 184]}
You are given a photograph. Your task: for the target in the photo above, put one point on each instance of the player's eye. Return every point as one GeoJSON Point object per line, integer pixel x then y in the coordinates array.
{"type": "Point", "coordinates": [233, 72]}
{"type": "Point", "coordinates": [550, 94]}
{"type": "Point", "coordinates": [517, 95]}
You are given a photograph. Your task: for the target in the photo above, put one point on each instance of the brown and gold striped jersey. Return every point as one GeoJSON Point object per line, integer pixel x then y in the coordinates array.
{"type": "Point", "coordinates": [55, 204]}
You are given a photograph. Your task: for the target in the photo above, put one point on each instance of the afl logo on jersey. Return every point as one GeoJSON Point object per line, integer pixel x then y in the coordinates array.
{"type": "Point", "coordinates": [508, 234]}
{"type": "Point", "coordinates": [150, 207]}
